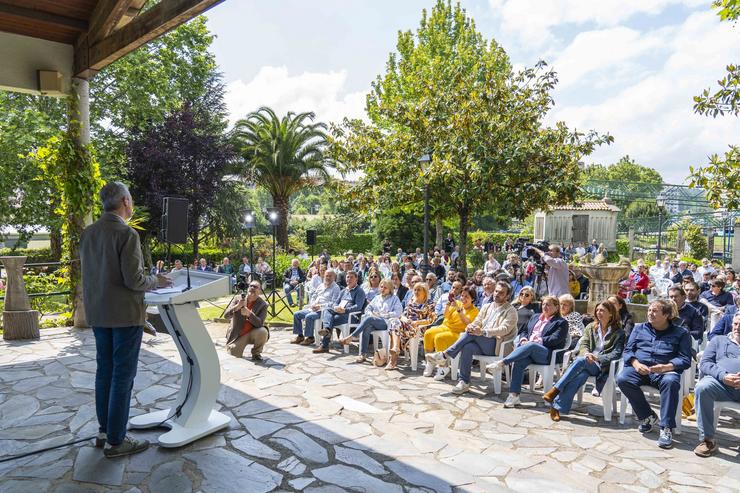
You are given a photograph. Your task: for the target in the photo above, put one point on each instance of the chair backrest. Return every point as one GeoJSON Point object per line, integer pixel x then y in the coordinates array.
{"type": "Point", "coordinates": [555, 352]}
{"type": "Point", "coordinates": [662, 286]}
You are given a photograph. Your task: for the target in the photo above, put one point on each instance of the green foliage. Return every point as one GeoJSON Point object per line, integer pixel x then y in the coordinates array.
{"type": "Point", "coordinates": [639, 299]}
{"type": "Point", "coordinates": [282, 155]}
{"type": "Point", "coordinates": [626, 170]}
{"type": "Point", "coordinates": [404, 229]}
{"type": "Point", "coordinates": [48, 282]}
{"type": "Point", "coordinates": [358, 243]}
{"type": "Point", "coordinates": [450, 92]}
{"type": "Point", "coordinates": [697, 241]}
{"type": "Point", "coordinates": [34, 255]}
{"type": "Point", "coordinates": [476, 259]}
{"type": "Point", "coordinates": [721, 177]}
{"type": "Point", "coordinates": [623, 247]}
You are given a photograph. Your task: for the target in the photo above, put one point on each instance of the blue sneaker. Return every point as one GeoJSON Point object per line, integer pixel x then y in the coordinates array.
{"type": "Point", "coordinates": [646, 425]}
{"type": "Point", "coordinates": [666, 438]}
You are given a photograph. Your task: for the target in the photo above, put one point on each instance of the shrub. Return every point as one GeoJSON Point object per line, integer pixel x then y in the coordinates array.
{"type": "Point", "coordinates": [623, 247]}
{"type": "Point", "coordinates": [35, 255]}
{"type": "Point", "coordinates": [358, 243]}
{"type": "Point", "coordinates": [639, 299]}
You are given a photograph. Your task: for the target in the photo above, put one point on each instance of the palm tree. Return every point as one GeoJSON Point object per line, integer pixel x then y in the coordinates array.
{"type": "Point", "coordinates": [283, 155]}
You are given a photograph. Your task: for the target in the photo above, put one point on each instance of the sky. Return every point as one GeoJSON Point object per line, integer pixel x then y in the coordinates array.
{"type": "Point", "coordinates": [626, 67]}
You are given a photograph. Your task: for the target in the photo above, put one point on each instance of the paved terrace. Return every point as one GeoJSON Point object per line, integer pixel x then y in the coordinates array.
{"type": "Point", "coordinates": [320, 423]}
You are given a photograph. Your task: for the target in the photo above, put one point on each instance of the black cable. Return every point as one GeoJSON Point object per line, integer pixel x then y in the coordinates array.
{"type": "Point", "coordinates": [178, 410]}
{"type": "Point", "coordinates": [33, 452]}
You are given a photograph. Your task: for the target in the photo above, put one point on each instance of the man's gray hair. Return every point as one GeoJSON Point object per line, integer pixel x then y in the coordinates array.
{"type": "Point", "coordinates": [112, 194]}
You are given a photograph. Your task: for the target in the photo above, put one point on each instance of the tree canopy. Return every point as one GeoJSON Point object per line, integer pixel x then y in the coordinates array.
{"type": "Point", "coordinates": [449, 92]}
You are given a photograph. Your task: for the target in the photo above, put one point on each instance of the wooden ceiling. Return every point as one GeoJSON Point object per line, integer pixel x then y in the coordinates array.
{"type": "Point", "coordinates": [101, 30]}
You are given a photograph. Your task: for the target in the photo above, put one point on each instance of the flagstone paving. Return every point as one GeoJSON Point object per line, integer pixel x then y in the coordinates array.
{"type": "Point", "coordinates": [322, 424]}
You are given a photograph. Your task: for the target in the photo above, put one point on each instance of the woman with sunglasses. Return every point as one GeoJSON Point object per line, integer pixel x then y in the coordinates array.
{"type": "Point", "coordinates": [378, 315]}
{"type": "Point", "coordinates": [371, 285]}
{"type": "Point", "coordinates": [398, 288]}
{"type": "Point", "coordinates": [416, 317]}
{"type": "Point", "coordinates": [524, 307]}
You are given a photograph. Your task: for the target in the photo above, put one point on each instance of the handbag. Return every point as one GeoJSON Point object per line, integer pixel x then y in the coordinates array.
{"type": "Point", "coordinates": [380, 357]}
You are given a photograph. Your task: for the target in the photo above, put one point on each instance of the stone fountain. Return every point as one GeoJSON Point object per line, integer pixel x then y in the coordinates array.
{"type": "Point", "coordinates": [19, 321]}
{"type": "Point", "coordinates": [603, 277]}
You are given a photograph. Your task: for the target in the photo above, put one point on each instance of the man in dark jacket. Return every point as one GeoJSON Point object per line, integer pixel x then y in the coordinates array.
{"type": "Point", "coordinates": [720, 366]}
{"type": "Point", "coordinates": [247, 316]}
{"type": "Point", "coordinates": [293, 279]}
{"type": "Point", "coordinates": [113, 283]}
{"type": "Point", "coordinates": [351, 300]}
{"type": "Point", "coordinates": [656, 354]}
{"type": "Point", "coordinates": [688, 316]}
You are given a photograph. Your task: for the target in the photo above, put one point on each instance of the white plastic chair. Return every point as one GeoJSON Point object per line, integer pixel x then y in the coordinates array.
{"type": "Point", "coordinates": [414, 351]}
{"type": "Point", "coordinates": [651, 392]}
{"type": "Point", "coordinates": [608, 393]}
{"type": "Point", "coordinates": [381, 336]}
{"type": "Point", "coordinates": [720, 405]}
{"type": "Point", "coordinates": [548, 371]}
{"type": "Point", "coordinates": [662, 285]}
{"type": "Point", "coordinates": [485, 362]}
{"type": "Point", "coordinates": [346, 329]}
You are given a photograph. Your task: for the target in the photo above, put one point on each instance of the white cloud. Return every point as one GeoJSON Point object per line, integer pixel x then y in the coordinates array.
{"type": "Point", "coordinates": [652, 118]}
{"type": "Point", "coordinates": [320, 92]}
{"type": "Point", "coordinates": [531, 20]}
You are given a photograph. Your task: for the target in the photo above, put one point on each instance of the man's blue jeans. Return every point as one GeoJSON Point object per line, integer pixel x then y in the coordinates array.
{"type": "Point", "coordinates": [669, 385]}
{"type": "Point", "coordinates": [289, 288]}
{"type": "Point", "coordinates": [330, 319]}
{"type": "Point", "coordinates": [367, 325]}
{"type": "Point", "coordinates": [708, 391]}
{"type": "Point", "coordinates": [309, 316]}
{"type": "Point", "coordinates": [470, 345]}
{"type": "Point", "coordinates": [530, 353]}
{"type": "Point", "coordinates": [117, 355]}
{"type": "Point", "coordinates": [572, 380]}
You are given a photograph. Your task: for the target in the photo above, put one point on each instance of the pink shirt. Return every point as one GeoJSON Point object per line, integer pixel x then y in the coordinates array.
{"type": "Point", "coordinates": [537, 330]}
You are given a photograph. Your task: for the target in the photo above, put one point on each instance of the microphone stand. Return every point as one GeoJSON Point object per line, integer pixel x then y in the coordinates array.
{"type": "Point", "coordinates": [187, 271]}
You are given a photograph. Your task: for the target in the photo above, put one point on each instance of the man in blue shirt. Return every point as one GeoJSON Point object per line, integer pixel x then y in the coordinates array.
{"type": "Point", "coordinates": [656, 354]}
{"type": "Point", "coordinates": [720, 366]}
{"type": "Point", "coordinates": [717, 295]}
{"type": "Point", "coordinates": [292, 280]}
{"type": "Point", "coordinates": [688, 317]}
{"type": "Point", "coordinates": [351, 300]}
{"type": "Point", "coordinates": [724, 326]}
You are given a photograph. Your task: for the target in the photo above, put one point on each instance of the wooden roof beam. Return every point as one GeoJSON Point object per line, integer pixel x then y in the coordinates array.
{"type": "Point", "coordinates": [45, 17]}
{"type": "Point", "coordinates": [105, 17]}
{"type": "Point", "coordinates": [91, 56]}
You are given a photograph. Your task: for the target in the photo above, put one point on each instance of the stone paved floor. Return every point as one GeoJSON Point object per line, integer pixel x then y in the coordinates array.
{"type": "Point", "coordinates": [320, 423]}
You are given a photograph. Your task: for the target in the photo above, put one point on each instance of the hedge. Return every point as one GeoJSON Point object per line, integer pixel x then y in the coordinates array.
{"type": "Point", "coordinates": [35, 255]}
{"type": "Point", "coordinates": [496, 238]}
{"type": "Point", "coordinates": [358, 243]}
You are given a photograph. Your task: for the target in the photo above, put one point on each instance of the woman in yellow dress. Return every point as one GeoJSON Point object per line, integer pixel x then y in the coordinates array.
{"type": "Point", "coordinates": [457, 316]}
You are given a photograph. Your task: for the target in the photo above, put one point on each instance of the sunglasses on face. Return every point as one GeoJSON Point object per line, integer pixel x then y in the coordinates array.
{"type": "Point", "coordinates": [254, 286]}
{"type": "Point", "coordinates": [526, 294]}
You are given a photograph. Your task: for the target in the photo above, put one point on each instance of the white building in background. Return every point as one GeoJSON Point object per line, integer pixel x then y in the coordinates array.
{"type": "Point", "coordinates": [578, 223]}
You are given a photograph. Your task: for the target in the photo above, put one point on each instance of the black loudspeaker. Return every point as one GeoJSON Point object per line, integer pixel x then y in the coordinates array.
{"type": "Point", "coordinates": [310, 237]}
{"type": "Point", "coordinates": [174, 220]}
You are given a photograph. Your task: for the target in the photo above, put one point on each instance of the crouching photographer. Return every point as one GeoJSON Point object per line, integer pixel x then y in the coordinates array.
{"type": "Point", "coordinates": [247, 313]}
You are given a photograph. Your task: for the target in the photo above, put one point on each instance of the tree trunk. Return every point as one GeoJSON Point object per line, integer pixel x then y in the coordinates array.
{"type": "Point", "coordinates": [439, 230]}
{"type": "Point", "coordinates": [464, 215]}
{"type": "Point", "coordinates": [282, 204]}
{"type": "Point", "coordinates": [196, 244]}
{"type": "Point", "coordinates": [55, 242]}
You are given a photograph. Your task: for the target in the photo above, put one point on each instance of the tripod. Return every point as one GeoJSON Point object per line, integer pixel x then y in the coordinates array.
{"type": "Point", "coordinates": [273, 299]}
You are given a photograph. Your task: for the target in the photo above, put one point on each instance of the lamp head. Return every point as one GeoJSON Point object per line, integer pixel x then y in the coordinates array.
{"type": "Point", "coordinates": [249, 219]}
{"type": "Point", "coordinates": [273, 215]}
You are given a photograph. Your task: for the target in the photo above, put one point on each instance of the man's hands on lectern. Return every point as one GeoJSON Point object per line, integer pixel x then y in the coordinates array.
{"type": "Point", "coordinates": [163, 281]}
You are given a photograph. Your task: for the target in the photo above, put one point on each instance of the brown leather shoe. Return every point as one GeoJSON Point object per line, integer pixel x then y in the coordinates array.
{"type": "Point", "coordinates": [551, 394]}
{"type": "Point", "coordinates": [554, 414]}
{"type": "Point", "coordinates": [297, 340]}
{"type": "Point", "coordinates": [320, 349]}
{"type": "Point", "coordinates": [706, 448]}
{"type": "Point", "coordinates": [308, 341]}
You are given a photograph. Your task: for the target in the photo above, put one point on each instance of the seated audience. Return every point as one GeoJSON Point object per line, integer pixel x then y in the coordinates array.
{"type": "Point", "coordinates": [602, 343]}
{"type": "Point", "coordinates": [716, 295]}
{"type": "Point", "coordinates": [203, 266]}
{"type": "Point", "coordinates": [494, 324]}
{"type": "Point", "coordinates": [292, 279]}
{"type": "Point", "coordinates": [724, 325]}
{"type": "Point", "coordinates": [226, 267]}
{"type": "Point", "coordinates": [720, 365]}
{"type": "Point", "coordinates": [178, 266]}
{"type": "Point", "coordinates": [324, 296]}
{"type": "Point", "coordinates": [378, 315]}
{"type": "Point", "coordinates": [415, 279]}
{"type": "Point", "coordinates": [435, 290]}
{"type": "Point", "coordinates": [351, 299]}
{"type": "Point", "coordinates": [537, 341]}
{"type": "Point", "coordinates": [688, 316]}
{"type": "Point", "coordinates": [245, 269]}
{"type": "Point", "coordinates": [486, 294]}
{"type": "Point", "coordinates": [574, 319]}
{"type": "Point", "coordinates": [656, 354]}
{"type": "Point", "coordinates": [491, 264]}
{"type": "Point", "coordinates": [524, 307]}
{"type": "Point", "coordinates": [399, 290]}
{"type": "Point", "coordinates": [158, 269]}
{"type": "Point", "coordinates": [372, 285]}
{"type": "Point", "coordinates": [417, 315]}
{"type": "Point", "coordinates": [457, 316]}
{"type": "Point", "coordinates": [247, 316]}
{"type": "Point", "coordinates": [692, 296]}
{"type": "Point", "coordinates": [447, 284]}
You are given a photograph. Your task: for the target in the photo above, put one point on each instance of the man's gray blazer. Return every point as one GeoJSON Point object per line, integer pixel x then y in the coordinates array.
{"type": "Point", "coordinates": [113, 275]}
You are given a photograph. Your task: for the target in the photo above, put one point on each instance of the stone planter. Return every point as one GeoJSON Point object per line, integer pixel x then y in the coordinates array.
{"type": "Point", "coordinates": [19, 321]}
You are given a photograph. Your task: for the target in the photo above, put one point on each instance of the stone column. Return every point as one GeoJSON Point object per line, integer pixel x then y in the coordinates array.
{"type": "Point", "coordinates": [631, 240]}
{"type": "Point", "coordinates": [679, 241]}
{"type": "Point", "coordinates": [736, 247]}
{"type": "Point", "coordinates": [19, 321]}
{"type": "Point", "coordinates": [82, 93]}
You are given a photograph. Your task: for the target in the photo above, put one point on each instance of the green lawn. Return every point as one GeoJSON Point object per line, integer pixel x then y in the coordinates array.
{"type": "Point", "coordinates": [208, 311]}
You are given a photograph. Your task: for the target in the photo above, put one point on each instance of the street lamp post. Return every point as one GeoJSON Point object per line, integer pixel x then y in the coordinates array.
{"type": "Point", "coordinates": [424, 161]}
{"type": "Point", "coordinates": [273, 216]}
{"type": "Point", "coordinates": [249, 224]}
{"type": "Point", "coordinates": [660, 201]}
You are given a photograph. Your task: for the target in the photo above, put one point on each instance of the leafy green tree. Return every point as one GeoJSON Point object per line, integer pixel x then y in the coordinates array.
{"type": "Point", "coordinates": [282, 155]}
{"type": "Point", "coordinates": [633, 177]}
{"type": "Point", "coordinates": [450, 92]}
{"type": "Point", "coordinates": [721, 177]}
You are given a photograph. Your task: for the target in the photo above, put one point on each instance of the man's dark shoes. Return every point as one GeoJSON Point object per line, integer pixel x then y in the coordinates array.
{"type": "Point", "coordinates": [706, 448]}
{"type": "Point", "coordinates": [297, 340]}
{"type": "Point", "coordinates": [308, 341]}
{"type": "Point", "coordinates": [647, 424]}
{"type": "Point", "coordinates": [321, 349]}
{"type": "Point", "coordinates": [127, 447]}
{"type": "Point", "coordinates": [256, 357]}
{"type": "Point", "coordinates": [324, 332]}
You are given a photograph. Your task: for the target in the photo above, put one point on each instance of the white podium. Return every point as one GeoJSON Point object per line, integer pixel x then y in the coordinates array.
{"type": "Point", "coordinates": [201, 373]}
